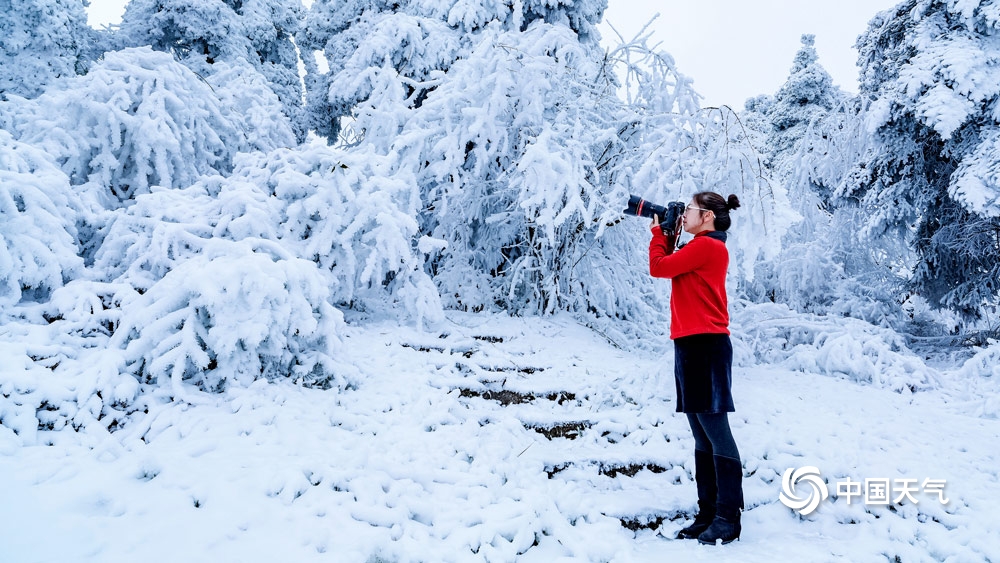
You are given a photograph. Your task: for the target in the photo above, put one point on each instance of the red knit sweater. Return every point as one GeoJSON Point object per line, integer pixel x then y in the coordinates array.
{"type": "Point", "coordinates": [698, 303]}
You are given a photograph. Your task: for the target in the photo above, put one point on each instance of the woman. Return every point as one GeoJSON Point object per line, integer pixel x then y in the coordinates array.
{"type": "Point", "coordinates": [703, 356]}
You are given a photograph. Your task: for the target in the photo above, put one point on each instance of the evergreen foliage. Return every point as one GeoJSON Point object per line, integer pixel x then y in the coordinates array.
{"type": "Point", "coordinates": [930, 93]}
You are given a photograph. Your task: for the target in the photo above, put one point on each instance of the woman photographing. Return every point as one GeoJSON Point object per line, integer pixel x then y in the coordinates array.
{"type": "Point", "coordinates": [703, 357]}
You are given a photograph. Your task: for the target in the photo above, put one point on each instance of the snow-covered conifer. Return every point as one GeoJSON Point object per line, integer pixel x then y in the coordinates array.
{"type": "Point", "coordinates": [931, 92]}
{"type": "Point", "coordinates": [42, 41]}
{"type": "Point", "coordinates": [801, 130]}
{"type": "Point", "coordinates": [367, 50]}
{"type": "Point", "coordinates": [805, 98]}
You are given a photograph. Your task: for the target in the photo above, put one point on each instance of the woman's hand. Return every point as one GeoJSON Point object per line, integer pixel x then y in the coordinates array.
{"type": "Point", "coordinates": [656, 221]}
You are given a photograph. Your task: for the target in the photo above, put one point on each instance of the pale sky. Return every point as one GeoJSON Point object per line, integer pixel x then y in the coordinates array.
{"type": "Point", "coordinates": [732, 49]}
{"type": "Point", "coordinates": [736, 49]}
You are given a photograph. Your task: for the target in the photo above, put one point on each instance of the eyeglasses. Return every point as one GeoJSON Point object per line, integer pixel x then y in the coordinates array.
{"type": "Point", "coordinates": [690, 207]}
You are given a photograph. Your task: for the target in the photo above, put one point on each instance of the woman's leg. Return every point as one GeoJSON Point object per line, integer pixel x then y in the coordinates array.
{"type": "Point", "coordinates": [701, 439]}
{"type": "Point", "coordinates": [729, 479]}
{"type": "Point", "coordinates": [715, 430]}
{"type": "Point", "coordinates": [704, 478]}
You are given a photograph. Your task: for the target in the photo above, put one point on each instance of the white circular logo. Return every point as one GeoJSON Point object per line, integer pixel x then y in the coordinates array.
{"type": "Point", "coordinates": [817, 489]}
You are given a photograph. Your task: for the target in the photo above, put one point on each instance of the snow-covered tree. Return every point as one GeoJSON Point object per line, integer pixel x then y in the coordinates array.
{"type": "Point", "coordinates": [358, 39]}
{"type": "Point", "coordinates": [204, 32]}
{"type": "Point", "coordinates": [247, 100]}
{"type": "Point", "coordinates": [38, 250]}
{"type": "Point", "coordinates": [806, 97]}
{"type": "Point", "coordinates": [932, 89]}
{"type": "Point", "coordinates": [755, 117]}
{"type": "Point", "coordinates": [797, 111]}
{"type": "Point", "coordinates": [42, 41]}
{"type": "Point", "coordinates": [506, 175]}
{"type": "Point", "coordinates": [137, 119]}
{"type": "Point", "coordinates": [352, 213]}
{"type": "Point", "coordinates": [801, 129]}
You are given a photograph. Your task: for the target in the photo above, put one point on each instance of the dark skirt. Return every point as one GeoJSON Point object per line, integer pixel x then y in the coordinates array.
{"type": "Point", "coordinates": [703, 372]}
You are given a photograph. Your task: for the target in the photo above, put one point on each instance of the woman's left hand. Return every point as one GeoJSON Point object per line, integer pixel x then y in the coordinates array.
{"type": "Point", "coordinates": [656, 221]}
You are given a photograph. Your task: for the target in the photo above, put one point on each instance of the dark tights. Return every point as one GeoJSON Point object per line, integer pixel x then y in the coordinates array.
{"type": "Point", "coordinates": [712, 434]}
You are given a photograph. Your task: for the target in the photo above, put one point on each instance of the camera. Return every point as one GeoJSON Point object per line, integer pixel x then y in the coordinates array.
{"type": "Point", "coordinates": [668, 214]}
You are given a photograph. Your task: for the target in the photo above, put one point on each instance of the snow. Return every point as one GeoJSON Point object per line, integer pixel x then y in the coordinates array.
{"type": "Point", "coordinates": [421, 462]}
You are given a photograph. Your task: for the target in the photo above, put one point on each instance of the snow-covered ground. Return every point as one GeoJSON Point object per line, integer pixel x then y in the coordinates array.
{"type": "Point", "coordinates": [499, 439]}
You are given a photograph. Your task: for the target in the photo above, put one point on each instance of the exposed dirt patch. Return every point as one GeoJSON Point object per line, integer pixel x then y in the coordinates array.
{"type": "Point", "coordinates": [490, 339]}
{"type": "Point", "coordinates": [508, 397]}
{"type": "Point", "coordinates": [568, 430]}
{"type": "Point", "coordinates": [609, 469]}
{"type": "Point", "coordinates": [630, 470]}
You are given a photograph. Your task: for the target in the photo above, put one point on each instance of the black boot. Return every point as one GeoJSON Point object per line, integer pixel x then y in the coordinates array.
{"type": "Point", "coordinates": [726, 526]}
{"type": "Point", "coordinates": [704, 477]}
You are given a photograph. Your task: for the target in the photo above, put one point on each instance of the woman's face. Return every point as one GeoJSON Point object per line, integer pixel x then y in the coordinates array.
{"type": "Point", "coordinates": [697, 219]}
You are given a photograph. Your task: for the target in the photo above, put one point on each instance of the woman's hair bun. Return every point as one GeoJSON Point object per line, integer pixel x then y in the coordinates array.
{"type": "Point", "coordinates": [732, 202]}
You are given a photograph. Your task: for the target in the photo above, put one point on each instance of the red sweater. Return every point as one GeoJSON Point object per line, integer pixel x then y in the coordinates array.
{"type": "Point", "coordinates": [698, 303]}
